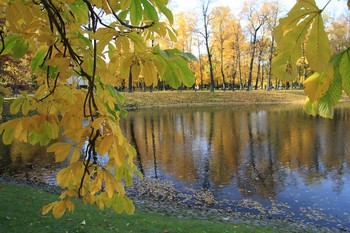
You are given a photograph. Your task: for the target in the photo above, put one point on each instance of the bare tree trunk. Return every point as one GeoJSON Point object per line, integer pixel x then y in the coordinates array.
{"type": "Point", "coordinates": [249, 86]}
{"type": "Point", "coordinates": [259, 66]}
{"type": "Point", "coordinates": [269, 74]}
{"type": "Point", "coordinates": [200, 66]}
{"type": "Point", "coordinates": [206, 19]}
{"type": "Point", "coordinates": [234, 73]}
{"type": "Point", "coordinates": [238, 63]}
{"type": "Point", "coordinates": [130, 81]}
{"type": "Point", "coordinates": [262, 77]}
{"type": "Point", "coordinates": [222, 59]}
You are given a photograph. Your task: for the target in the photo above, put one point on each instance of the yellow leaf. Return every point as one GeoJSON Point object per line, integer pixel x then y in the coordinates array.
{"type": "Point", "coordinates": [70, 205]}
{"type": "Point", "coordinates": [46, 209]}
{"type": "Point", "coordinates": [149, 73]}
{"type": "Point", "coordinates": [106, 144]}
{"type": "Point", "coordinates": [96, 184]}
{"type": "Point", "coordinates": [61, 150]}
{"type": "Point", "coordinates": [317, 48]}
{"type": "Point", "coordinates": [75, 155]}
{"type": "Point", "coordinates": [62, 177]}
{"type": "Point", "coordinates": [59, 209]}
{"type": "Point", "coordinates": [97, 123]}
{"type": "Point", "coordinates": [317, 84]}
{"type": "Point", "coordinates": [135, 71]}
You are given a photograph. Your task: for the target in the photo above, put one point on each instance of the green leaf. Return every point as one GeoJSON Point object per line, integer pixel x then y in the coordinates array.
{"type": "Point", "coordinates": [20, 48]}
{"type": "Point", "coordinates": [171, 75]}
{"type": "Point", "coordinates": [123, 14]}
{"type": "Point", "coordinates": [149, 11]}
{"type": "Point", "coordinates": [190, 56]}
{"type": "Point", "coordinates": [138, 41]}
{"type": "Point", "coordinates": [10, 42]}
{"type": "Point", "coordinates": [184, 72]}
{"type": "Point", "coordinates": [325, 109]}
{"type": "Point", "coordinates": [160, 5]}
{"type": "Point", "coordinates": [344, 69]}
{"type": "Point", "coordinates": [135, 12]}
{"type": "Point", "coordinates": [311, 107]}
{"type": "Point", "coordinates": [38, 59]}
{"type": "Point", "coordinates": [80, 11]}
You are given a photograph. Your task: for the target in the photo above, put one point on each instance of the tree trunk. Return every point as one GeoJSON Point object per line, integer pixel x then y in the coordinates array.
{"type": "Point", "coordinates": [206, 37]}
{"type": "Point", "coordinates": [222, 62]}
{"type": "Point", "coordinates": [239, 68]}
{"type": "Point", "coordinates": [259, 66]}
{"type": "Point", "coordinates": [130, 82]}
{"type": "Point", "coordinates": [212, 81]}
{"type": "Point", "coordinates": [269, 73]}
{"type": "Point", "coordinates": [200, 66]}
{"type": "Point", "coordinates": [252, 60]}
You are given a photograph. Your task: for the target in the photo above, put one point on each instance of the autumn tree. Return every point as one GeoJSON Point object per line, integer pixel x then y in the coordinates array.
{"type": "Point", "coordinates": [222, 18]}
{"type": "Point", "coordinates": [256, 19]}
{"type": "Point", "coordinates": [273, 11]}
{"type": "Point", "coordinates": [238, 45]}
{"type": "Point", "coordinates": [93, 40]}
{"type": "Point", "coordinates": [206, 17]}
{"type": "Point", "coordinates": [185, 28]}
{"type": "Point", "coordinates": [339, 33]}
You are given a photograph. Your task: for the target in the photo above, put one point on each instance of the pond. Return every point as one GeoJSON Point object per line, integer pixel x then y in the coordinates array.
{"type": "Point", "coordinates": [270, 160]}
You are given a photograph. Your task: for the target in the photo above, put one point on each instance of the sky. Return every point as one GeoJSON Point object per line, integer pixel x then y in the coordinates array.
{"type": "Point", "coordinates": [335, 7]}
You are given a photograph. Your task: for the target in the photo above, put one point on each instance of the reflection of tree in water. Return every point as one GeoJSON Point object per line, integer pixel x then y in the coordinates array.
{"type": "Point", "coordinates": [154, 150]}
{"type": "Point", "coordinates": [259, 175]}
{"type": "Point", "coordinates": [266, 150]}
{"type": "Point", "coordinates": [206, 168]}
{"type": "Point", "coordinates": [134, 143]}
{"type": "Point", "coordinates": [19, 157]}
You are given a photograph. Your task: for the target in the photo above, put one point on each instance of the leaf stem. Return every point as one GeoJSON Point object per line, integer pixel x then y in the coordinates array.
{"type": "Point", "coordinates": [326, 5]}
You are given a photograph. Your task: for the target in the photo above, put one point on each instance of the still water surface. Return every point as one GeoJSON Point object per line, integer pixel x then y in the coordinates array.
{"type": "Point", "coordinates": [263, 160]}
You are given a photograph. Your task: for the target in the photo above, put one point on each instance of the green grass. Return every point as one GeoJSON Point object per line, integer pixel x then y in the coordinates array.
{"type": "Point", "coordinates": [20, 212]}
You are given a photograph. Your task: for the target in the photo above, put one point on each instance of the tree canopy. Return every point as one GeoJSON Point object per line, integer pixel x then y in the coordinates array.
{"type": "Point", "coordinates": [100, 41]}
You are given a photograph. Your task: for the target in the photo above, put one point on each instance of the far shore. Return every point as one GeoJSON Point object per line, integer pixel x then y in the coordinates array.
{"type": "Point", "coordinates": [165, 99]}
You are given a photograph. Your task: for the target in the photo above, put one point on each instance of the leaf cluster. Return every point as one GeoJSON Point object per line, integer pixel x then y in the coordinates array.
{"type": "Point", "coordinates": [302, 34]}
{"type": "Point", "coordinates": [98, 41]}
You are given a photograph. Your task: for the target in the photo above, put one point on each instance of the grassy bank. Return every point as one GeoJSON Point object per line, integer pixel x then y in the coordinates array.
{"type": "Point", "coordinates": [191, 98]}
{"type": "Point", "coordinates": [20, 212]}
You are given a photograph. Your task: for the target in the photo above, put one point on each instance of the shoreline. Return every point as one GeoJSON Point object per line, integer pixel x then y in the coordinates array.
{"type": "Point", "coordinates": [189, 99]}
{"type": "Point", "coordinates": [166, 207]}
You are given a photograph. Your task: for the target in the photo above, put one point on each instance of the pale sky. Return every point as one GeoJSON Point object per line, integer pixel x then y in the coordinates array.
{"type": "Point", "coordinates": [335, 7]}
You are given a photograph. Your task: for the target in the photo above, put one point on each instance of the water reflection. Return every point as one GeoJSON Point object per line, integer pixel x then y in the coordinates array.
{"type": "Point", "coordinates": [257, 146]}
{"type": "Point", "coordinates": [261, 153]}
